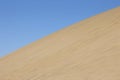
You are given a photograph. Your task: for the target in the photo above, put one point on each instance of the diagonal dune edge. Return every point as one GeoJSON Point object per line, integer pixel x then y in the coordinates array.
{"type": "Point", "coordinates": [87, 50]}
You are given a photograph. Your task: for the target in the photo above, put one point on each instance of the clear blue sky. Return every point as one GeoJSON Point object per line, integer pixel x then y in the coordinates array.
{"type": "Point", "coordinates": [25, 21]}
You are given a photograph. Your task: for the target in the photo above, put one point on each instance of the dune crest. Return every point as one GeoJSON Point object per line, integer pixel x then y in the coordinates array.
{"type": "Point", "coordinates": [87, 50]}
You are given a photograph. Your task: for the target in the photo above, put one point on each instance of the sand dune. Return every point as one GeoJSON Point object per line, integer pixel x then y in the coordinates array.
{"type": "Point", "coordinates": [87, 50]}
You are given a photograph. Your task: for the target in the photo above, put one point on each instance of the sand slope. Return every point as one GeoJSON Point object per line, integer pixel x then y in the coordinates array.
{"type": "Point", "coordinates": [88, 50]}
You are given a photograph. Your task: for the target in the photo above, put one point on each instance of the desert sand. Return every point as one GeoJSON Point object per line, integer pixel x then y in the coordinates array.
{"type": "Point", "coordinates": [87, 50]}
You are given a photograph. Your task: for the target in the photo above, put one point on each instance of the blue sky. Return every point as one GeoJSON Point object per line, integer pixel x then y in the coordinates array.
{"type": "Point", "coordinates": [25, 21]}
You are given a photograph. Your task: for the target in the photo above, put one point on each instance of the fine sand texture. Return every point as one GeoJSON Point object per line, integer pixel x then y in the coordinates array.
{"type": "Point", "coordinates": [87, 50]}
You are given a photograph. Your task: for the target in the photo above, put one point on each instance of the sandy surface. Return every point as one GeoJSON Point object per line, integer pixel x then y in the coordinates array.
{"type": "Point", "coordinates": [88, 50]}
